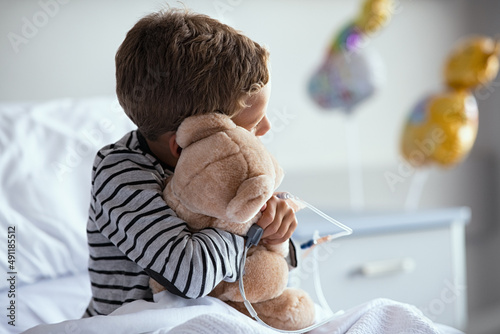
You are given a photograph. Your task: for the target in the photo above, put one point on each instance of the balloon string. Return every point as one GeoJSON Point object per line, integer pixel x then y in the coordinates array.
{"type": "Point", "coordinates": [355, 170]}
{"type": "Point", "coordinates": [416, 188]}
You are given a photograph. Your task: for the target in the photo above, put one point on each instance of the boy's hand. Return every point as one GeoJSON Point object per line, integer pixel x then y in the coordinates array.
{"type": "Point", "coordinates": [278, 221]}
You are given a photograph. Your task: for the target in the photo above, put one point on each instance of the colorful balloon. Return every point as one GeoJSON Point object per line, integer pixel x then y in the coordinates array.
{"type": "Point", "coordinates": [349, 74]}
{"type": "Point", "coordinates": [348, 39]}
{"type": "Point", "coordinates": [346, 79]}
{"type": "Point", "coordinates": [442, 128]}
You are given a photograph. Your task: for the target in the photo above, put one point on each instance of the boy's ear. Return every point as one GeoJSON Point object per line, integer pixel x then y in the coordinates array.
{"type": "Point", "coordinates": [198, 127]}
{"type": "Point", "coordinates": [175, 149]}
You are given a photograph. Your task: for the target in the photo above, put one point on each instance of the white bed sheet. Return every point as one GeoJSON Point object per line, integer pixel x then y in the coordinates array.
{"type": "Point", "coordinates": [56, 305]}
{"type": "Point", "coordinates": [174, 315]}
{"type": "Point", "coordinates": [48, 301]}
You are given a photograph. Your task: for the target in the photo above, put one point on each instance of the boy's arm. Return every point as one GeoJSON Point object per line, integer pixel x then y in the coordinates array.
{"type": "Point", "coordinates": [129, 210]}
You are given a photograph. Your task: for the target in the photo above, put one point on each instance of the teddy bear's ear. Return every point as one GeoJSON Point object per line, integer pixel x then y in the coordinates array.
{"type": "Point", "coordinates": [250, 197]}
{"type": "Point", "coordinates": [197, 127]}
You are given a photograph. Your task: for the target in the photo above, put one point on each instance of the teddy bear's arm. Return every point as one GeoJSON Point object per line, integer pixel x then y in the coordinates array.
{"type": "Point", "coordinates": [266, 276]}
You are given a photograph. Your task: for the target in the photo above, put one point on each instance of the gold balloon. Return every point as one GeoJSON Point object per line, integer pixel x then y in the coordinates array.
{"type": "Point", "coordinates": [473, 62]}
{"type": "Point", "coordinates": [374, 15]}
{"type": "Point", "coordinates": [441, 129]}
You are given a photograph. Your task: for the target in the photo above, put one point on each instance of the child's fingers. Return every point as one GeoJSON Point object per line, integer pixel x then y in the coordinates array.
{"type": "Point", "coordinates": [285, 231]}
{"type": "Point", "coordinates": [267, 218]}
{"type": "Point", "coordinates": [279, 219]}
{"type": "Point", "coordinates": [269, 222]}
{"type": "Point", "coordinates": [283, 227]}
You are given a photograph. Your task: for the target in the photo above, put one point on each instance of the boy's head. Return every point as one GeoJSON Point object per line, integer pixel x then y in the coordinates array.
{"type": "Point", "coordinates": [174, 64]}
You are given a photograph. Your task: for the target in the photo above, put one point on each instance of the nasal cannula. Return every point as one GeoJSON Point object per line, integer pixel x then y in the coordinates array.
{"type": "Point", "coordinates": [253, 237]}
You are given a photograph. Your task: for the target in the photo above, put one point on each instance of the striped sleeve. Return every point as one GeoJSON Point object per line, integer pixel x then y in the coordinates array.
{"type": "Point", "coordinates": [130, 212]}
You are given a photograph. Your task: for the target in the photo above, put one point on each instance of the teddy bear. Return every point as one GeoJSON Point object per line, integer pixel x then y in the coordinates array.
{"type": "Point", "coordinates": [223, 177]}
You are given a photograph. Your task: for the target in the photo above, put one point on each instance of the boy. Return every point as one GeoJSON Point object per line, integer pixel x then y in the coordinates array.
{"type": "Point", "coordinates": [172, 65]}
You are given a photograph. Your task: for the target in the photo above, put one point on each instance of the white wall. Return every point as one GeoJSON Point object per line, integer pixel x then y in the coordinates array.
{"type": "Point", "coordinates": [71, 53]}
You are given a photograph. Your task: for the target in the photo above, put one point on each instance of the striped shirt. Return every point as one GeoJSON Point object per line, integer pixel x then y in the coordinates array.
{"type": "Point", "coordinates": [133, 235]}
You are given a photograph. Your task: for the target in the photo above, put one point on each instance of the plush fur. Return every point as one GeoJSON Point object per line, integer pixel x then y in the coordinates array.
{"type": "Point", "coordinates": [223, 178]}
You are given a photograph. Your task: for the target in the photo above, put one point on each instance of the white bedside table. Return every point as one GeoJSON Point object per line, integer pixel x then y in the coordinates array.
{"type": "Point", "coordinates": [413, 257]}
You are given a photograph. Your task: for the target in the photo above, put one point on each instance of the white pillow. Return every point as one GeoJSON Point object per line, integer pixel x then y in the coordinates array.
{"type": "Point", "coordinates": [46, 155]}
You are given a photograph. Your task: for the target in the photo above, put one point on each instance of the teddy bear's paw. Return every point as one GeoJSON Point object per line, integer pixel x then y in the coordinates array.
{"type": "Point", "coordinates": [293, 310]}
{"type": "Point", "coordinates": [266, 276]}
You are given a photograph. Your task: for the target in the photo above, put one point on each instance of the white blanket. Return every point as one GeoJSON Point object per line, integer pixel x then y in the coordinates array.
{"type": "Point", "coordinates": [175, 315]}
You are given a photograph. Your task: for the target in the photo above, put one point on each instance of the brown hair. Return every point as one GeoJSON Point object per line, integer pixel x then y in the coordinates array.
{"type": "Point", "coordinates": [174, 64]}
